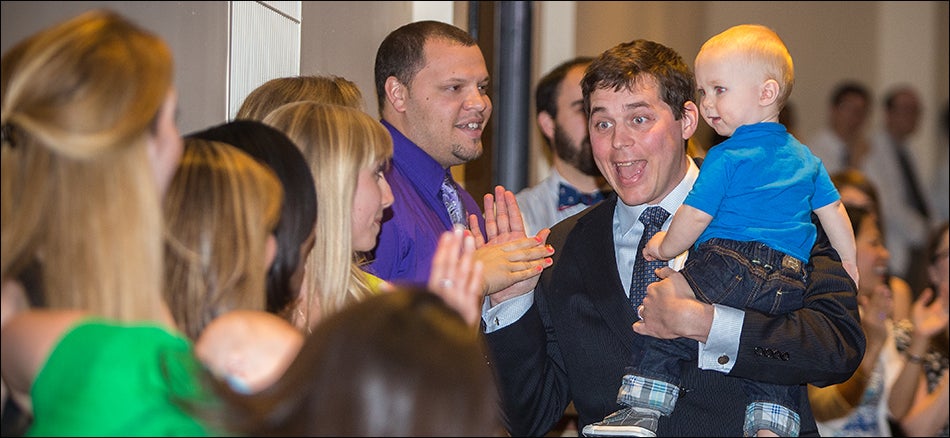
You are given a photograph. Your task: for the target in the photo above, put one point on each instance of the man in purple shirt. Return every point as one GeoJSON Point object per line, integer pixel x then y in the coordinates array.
{"type": "Point", "coordinates": [432, 84]}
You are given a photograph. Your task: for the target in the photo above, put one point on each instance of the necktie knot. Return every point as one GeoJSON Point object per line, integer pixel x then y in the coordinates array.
{"type": "Point", "coordinates": [654, 216]}
{"type": "Point", "coordinates": [569, 196]}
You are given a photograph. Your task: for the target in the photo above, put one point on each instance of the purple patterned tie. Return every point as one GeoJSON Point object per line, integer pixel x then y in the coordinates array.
{"type": "Point", "coordinates": [450, 197]}
{"type": "Point", "coordinates": [643, 275]}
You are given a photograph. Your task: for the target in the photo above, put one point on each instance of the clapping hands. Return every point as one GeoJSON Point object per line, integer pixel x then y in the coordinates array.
{"type": "Point", "coordinates": [456, 276]}
{"type": "Point", "coordinates": [513, 261]}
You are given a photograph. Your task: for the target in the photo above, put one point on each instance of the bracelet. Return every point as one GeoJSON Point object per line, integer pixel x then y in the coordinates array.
{"type": "Point", "coordinates": [913, 358]}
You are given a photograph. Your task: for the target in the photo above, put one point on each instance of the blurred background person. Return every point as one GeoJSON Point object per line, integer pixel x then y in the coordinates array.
{"type": "Point", "coordinates": [398, 364]}
{"type": "Point", "coordinates": [892, 165]}
{"type": "Point", "coordinates": [575, 181]}
{"type": "Point", "coordinates": [220, 213]}
{"type": "Point", "coordinates": [940, 195]}
{"type": "Point", "coordinates": [298, 215]}
{"type": "Point", "coordinates": [929, 413]}
{"type": "Point", "coordinates": [858, 191]}
{"type": "Point", "coordinates": [876, 397]}
{"type": "Point", "coordinates": [842, 142]}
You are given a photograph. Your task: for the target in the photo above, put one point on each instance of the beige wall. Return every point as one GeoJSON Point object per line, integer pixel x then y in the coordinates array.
{"type": "Point", "coordinates": [196, 31]}
{"type": "Point", "coordinates": [880, 43]}
{"type": "Point", "coordinates": [331, 44]}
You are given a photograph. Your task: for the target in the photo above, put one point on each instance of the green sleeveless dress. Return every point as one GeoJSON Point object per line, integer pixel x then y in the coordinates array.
{"type": "Point", "coordinates": [106, 378]}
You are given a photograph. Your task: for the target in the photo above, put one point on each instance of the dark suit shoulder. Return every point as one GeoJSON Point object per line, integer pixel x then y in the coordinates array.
{"type": "Point", "coordinates": [563, 229]}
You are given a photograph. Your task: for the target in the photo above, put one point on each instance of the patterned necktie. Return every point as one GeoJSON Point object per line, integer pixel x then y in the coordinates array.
{"type": "Point", "coordinates": [450, 197]}
{"type": "Point", "coordinates": [643, 275]}
{"type": "Point", "coordinates": [569, 196]}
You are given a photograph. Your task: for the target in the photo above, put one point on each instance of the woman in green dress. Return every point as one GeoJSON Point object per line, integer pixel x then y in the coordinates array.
{"type": "Point", "coordinates": [89, 146]}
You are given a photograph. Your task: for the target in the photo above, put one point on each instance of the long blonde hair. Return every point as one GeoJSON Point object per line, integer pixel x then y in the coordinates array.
{"type": "Point", "coordinates": [80, 199]}
{"type": "Point", "coordinates": [338, 142]}
{"type": "Point", "coordinates": [219, 211]}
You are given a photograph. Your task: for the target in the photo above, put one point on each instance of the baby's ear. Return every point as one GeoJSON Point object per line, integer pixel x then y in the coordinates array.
{"type": "Point", "coordinates": [769, 93]}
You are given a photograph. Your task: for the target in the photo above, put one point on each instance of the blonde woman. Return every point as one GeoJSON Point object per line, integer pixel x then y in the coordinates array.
{"type": "Point", "coordinates": [298, 216]}
{"type": "Point", "coordinates": [279, 91]}
{"type": "Point", "coordinates": [348, 151]}
{"type": "Point", "coordinates": [220, 214]}
{"type": "Point", "coordinates": [89, 146]}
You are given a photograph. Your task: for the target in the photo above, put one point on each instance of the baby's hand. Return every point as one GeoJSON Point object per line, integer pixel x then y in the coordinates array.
{"type": "Point", "coordinates": [651, 251]}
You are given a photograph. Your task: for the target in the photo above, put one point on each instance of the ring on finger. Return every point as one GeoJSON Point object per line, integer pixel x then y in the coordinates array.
{"type": "Point", "coordinates": [446, 283]}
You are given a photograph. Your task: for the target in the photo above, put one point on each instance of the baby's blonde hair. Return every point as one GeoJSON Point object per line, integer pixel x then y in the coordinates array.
{"type": "Point", "coordinates": [762, 47]}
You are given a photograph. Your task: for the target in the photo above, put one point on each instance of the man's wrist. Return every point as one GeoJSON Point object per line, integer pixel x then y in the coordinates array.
{"type": "Point", "coordinates": [506, 294]}
{"type": "Point", "coordinates": [702, 316]}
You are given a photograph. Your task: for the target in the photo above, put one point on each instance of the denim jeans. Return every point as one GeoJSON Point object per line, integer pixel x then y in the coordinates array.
{"type": "Point", "coordinates": [743, 275]}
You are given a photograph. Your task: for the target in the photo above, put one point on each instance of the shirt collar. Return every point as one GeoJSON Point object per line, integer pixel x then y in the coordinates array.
{"type": "Point", "coordinates": [427, 174]}
{"type": "Point", "coordinates": [626, 215]}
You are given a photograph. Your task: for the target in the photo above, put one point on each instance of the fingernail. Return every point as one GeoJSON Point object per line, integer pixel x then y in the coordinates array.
{"type": "Point", "coordinates": [550, 249]}
{"type": "Point", "coordinates": [538, 239]}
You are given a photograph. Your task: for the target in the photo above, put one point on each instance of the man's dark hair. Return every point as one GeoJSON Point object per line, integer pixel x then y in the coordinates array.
{"type": "Point", "coordinates": [549, 87]}
{"type": "Point", "coordinates": [402, 52]}
{"type": "Point", "coordinates": [847, 88]}
{"type": "Point", "coordinates": [625, 65]}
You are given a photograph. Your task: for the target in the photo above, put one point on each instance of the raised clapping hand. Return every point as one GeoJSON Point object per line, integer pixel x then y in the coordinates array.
{"type": "Point", "coordinates": [928, 319]}
{"type": "Point", "coordinates": [876, 307]}
{"type": "Point", "coordinates": [513, 261]}
{"type": "Point", "coordinates": [456, 276]}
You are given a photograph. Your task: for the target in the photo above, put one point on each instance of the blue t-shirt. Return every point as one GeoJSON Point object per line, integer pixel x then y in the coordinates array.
{"type": "Point", "coordinates": [761, 185]}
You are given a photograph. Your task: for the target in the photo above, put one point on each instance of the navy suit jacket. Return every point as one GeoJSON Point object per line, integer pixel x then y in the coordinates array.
{"type": "Point", "coordinates": [576, 340]}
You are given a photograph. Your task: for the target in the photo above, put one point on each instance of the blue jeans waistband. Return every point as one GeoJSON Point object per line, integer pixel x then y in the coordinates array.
{"type": "Point", "coordinates": [759, 253]}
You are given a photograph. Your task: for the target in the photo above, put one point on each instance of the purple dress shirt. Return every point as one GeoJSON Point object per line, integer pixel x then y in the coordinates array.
{"type": "Point", "coordinates": [413, 224]}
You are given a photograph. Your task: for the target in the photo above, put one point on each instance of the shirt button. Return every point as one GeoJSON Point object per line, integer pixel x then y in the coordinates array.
{"type": "Point", "coordinates": [497, 323]}
{"type": "Point", "coordinates": [723, 359]}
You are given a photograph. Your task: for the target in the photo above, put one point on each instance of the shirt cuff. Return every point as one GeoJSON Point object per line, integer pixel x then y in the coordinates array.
{"type": "Point", "coordinates": [505, 313]}
{"type": "Point", "coordinates": [721, 349]}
